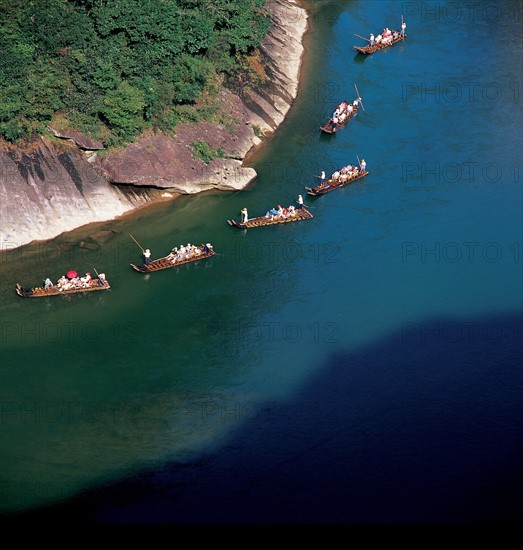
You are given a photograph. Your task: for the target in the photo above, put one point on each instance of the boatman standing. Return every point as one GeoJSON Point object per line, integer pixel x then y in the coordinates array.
{"type": "Point", "coordinates": [403, 27]}
{"type": "Point", "coordinates": [48, 284]}
{"type": "Point", "coordinates": [245, 215]}
{"type": "Point", "coordinates": [371, 40]}
{"type": "Point", "coordinates": [334, 122]}
{"type": "Point", "coordinates": [147, 255]}
{"type": "Point", "coordinates": [363, 165]}
{"type": "Point", "coordinates": [300, 202]}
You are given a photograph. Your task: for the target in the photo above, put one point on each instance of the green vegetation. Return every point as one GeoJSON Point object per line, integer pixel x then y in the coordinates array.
{"type": "Point", "coordinates": [205, 152]}
{"type": "Point", "coordinates": [114, 69]}
{"type": "Point", "coordinates": [258, 132]}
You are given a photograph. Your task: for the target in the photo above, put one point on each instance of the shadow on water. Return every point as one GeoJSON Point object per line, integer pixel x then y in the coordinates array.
{"type": "Point", "coordinates": [423, 427]}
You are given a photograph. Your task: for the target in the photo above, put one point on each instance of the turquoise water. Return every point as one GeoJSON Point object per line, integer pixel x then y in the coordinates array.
{"type": "Point", "coordinates": [367, 355]}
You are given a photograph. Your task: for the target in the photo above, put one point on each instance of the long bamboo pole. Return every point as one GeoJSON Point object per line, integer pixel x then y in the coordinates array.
{"type": "Point", "coordinates": [137, 242]}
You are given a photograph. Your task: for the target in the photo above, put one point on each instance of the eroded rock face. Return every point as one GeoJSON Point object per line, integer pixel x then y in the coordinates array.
{"type": "Point", "coordinates": [283, 47]}
{"type": "Point", "coordinates": [48, 191]}
{"type": "Point", "coordinates": [171, 162]}
{"type": "Point", "coordinates": [51, 190]}
{"type": "Point", "coordinates": [79, 139]}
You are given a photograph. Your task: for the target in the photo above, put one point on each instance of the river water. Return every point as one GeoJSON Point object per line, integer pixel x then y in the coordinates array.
{"type": "Point", "coordinates": [363, 366]}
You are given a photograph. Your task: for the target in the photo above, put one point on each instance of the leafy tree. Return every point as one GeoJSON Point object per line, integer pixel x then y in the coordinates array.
{"type": "Point", "coordinates": [189, 77]}
{"type": "Point", "coordinates": [113, 67]}
{"type": "Point", "coordinates": [121, 107]}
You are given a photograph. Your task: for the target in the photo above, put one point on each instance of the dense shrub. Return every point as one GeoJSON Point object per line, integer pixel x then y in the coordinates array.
{"type": "Point", "coordinates": [114, 69]}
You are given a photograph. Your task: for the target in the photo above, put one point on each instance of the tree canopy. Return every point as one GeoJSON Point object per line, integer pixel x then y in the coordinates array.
{"type": "Point", "coordinates": [113, 68]}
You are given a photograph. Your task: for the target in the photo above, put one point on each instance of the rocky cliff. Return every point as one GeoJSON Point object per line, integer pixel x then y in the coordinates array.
{"type": "Point", "coordinates": [62, 183]}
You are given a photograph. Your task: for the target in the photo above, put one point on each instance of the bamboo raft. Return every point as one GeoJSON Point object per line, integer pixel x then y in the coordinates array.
{"type": "Point", "coordinates": [328, 127]}
{"type": "Point", "coordinates": [368, 49]}
{"type": "Point", "coordinates": [330, 184]}
{"type": "Point", "coordinates": [40, 292]}
{"type": "Point", "coordinates": [167, 263]}
{"type": "Point", "coordinates": [301, 214]}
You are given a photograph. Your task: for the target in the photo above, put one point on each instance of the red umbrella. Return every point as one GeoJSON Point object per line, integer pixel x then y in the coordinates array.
{"type": "Point", "coordinates": [71, 274]}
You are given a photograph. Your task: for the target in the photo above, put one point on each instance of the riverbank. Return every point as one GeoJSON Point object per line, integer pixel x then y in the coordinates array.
{"type": "Point", "coordinates": [64, 183]}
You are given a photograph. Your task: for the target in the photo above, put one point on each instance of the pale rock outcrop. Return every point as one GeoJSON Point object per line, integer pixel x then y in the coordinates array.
{"type": "Point", "coordinates": [78, 138]}
{"type": "Point", "coordinates": [284, 49]}
{"type": "Point", "coordinates": [48, 191]}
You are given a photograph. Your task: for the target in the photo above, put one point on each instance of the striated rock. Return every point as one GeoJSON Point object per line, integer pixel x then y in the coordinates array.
{"type": "Point", "coordinates": [80, 140]}
{"type": "Point", "coordinates": [48, 191]}
{"type": "Point", "coordinates": [283, 48]}
{"type": "Point", "coordinates": [161, 161]}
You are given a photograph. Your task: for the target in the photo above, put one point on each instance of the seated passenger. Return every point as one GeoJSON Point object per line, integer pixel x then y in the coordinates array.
{"type": "Point", "coordinates": [173, 255]}
{"type": "Point", "coordinates": [86, 281]}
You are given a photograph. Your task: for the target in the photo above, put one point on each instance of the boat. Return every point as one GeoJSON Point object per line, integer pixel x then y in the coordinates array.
{"type": "Point", "coordinates": [100, 283]}
{"type": "Point", "coordinates": [331, 184]}
{"type": "Point", "coordinates": [169, 261]}
{"type": "Point", "coordinates": [273, 219]}
{"type": "Point", "coordinates": [329, 127]}
{"type": "Point", "coordinates": [368, 49]}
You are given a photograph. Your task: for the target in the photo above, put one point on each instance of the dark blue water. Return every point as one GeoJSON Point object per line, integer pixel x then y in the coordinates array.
{"type": "Point", "coordinates": [360, 367]}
